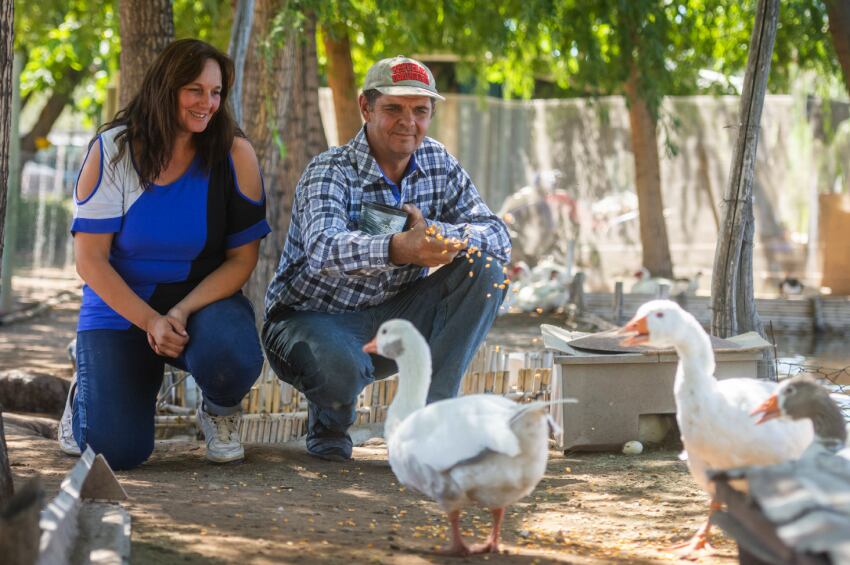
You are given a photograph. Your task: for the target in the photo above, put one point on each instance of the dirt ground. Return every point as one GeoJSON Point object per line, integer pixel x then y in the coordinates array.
{"type": "Point", "coordinates": [283, 506]}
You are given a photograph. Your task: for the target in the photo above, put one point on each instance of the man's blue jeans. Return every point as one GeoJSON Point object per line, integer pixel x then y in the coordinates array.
{"type": "Point", "coordinates": [119, 376]}
{"type": "Point", "coordinates": [321, 354]}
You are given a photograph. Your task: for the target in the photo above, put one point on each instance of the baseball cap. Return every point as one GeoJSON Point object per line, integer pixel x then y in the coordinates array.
{"type": "Point", "coordinates": [401, 76]}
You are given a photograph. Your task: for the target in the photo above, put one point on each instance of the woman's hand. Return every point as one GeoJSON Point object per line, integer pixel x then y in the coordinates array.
{"type": "Point", "coordinates": [167, 336]}
{"type": "Point", "coordinates": [179, 314]}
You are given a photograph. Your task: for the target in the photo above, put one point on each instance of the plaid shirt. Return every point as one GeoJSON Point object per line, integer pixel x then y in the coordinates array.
{"type": "Point", "coordinates": [329, 265]}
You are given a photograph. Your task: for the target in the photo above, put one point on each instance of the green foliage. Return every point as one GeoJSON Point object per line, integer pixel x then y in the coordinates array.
{"type": "Point", "coordinates": [208, 20]}
{"type": "Point", "coordinates": [60, 36]}
{"type": "Point", "coordinates": [587, 46]}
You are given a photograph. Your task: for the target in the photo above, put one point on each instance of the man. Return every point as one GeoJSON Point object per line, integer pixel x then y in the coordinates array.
{"type": "Point", "coordinates": [339, 278]}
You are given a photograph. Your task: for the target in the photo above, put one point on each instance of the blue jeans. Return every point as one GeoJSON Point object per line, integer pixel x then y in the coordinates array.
{"type": "Point", "coordinates": [321, 354]}
{"type": "Point", "coordinates": [119, 376]}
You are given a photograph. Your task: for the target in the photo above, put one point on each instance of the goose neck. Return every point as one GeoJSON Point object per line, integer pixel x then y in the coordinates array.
{"type": "Point", "coordinates": [414, 380]}
{"type": "Point", "coordinates": [828, 424]}
{"type": "Point", "coordinates": [695, 355]}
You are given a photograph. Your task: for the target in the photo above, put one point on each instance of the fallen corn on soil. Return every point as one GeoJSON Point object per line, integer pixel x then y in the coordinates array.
{"type": "Point", "coordinates": [282, 506]}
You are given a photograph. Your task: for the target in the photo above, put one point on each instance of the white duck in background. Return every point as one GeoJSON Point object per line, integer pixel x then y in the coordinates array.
{"type": "Point", "coordinates": [713, 416]}
{"type": "Point", "coordinates": [686, 286]}
{"type": "Point", "coordinates": [647, 284]}
{"type": "Point", "coordinates": [480, 449]}
{"type": "Point", "coordinates": [801, 398]}
{"type": "Point", "coordinates": [790, 286]}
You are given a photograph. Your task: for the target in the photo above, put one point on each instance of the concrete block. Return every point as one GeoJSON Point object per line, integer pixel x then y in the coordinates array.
{"type": "Point", "coordinates": [104, 535]}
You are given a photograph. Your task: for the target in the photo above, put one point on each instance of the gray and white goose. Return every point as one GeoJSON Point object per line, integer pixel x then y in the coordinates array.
{"type": "Point", "coordinates": [801, 398]}
{"type": "Point", "coordinates": [481, 449]}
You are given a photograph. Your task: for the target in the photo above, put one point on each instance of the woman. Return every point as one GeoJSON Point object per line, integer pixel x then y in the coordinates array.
{"type": "Point", "coordinates": [169, 212]}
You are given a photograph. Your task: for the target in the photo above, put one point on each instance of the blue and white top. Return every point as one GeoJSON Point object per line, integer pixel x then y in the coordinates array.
{"type": "Point", "coordinates": [330, 265]}
{"type": "Point", "coordinates": [168, 238]}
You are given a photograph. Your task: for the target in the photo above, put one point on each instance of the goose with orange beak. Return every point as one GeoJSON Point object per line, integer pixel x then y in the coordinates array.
{"type": "Point", "coordinates": [480, 449]}
{"type": "Point", "coordinates": [713, 416]}
{"type": "Point", "coordinates": [801, 398]}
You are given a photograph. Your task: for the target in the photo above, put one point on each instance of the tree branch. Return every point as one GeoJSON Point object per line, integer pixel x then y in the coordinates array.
{"type": "Point", "coordinates": [51, 111]}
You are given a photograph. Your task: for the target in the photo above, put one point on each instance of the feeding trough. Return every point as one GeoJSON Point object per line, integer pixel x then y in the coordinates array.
{"type": "Point", "coordinates": [624, 389]}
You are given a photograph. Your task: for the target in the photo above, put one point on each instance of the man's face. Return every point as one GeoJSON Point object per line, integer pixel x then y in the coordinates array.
{"type": "Point", "coordinates": [396, 124]}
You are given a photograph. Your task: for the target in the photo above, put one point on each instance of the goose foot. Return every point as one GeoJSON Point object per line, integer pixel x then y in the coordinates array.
{"type": "Point", "coordinates": [693, 549]}
{"type": "Point", "coordinates": [488, 547]}
{"type": "Point", "coordinates": [492, 543]}
{"type": "Point", "coordinates": [457, 547]}
{"type": "Point", "coordinates": [696, 547]}
{"type": "Point", "coordinates": [454, 550]}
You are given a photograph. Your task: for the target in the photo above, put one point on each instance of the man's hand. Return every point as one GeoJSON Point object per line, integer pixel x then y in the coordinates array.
{"type": "Point", "coordinates": [421, 245]}
{"type": "Point", "coordinates": [167, 336]}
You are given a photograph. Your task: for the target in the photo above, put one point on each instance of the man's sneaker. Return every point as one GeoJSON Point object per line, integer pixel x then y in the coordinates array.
{"type": "Point", "coordinates": [67, 443]}
{"type": "Point", "coordinates": [323, 442]}
{"type": "Point", "coordinates": [222, 436]}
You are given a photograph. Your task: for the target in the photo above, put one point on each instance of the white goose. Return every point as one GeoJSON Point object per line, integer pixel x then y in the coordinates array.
{"type": "Point", "coordinates": [480, 449]}
{"type": "Point", "coordinates": [647, 284]}
{"type": "Point", "coordinates": [713, 416]}
{"type": "Point", "coordinates": [802, 398]}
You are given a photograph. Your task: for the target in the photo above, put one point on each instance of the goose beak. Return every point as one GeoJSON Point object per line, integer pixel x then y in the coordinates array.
{"type": "Point", "coordinates": [372, 346]}
{"type": "Point", "coordinates": [769, 409]}
{"type": "Point", "coordinates": [637, 332]}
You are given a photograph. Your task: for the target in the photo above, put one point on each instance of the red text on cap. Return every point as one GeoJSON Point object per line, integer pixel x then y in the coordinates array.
{"type": "Point", "coordinates": [409, 71]}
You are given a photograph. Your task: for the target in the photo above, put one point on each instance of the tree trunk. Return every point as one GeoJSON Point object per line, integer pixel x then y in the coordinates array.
{"type": "Point", "coordinates": [653, 230]}
{"type": "Point", "coordinates": [281, 109]}
{"type": "Point", "coordinates": [839, 27]}
{"type": "Point", "coordinates": [240, 33]}
{"type": "Point", "coordinates": [733, 303]}
{"type": "Point", "coordinates": [7, 61]}
{"type": "Point", "coordinates": [59, 98]}
{"type": "Point", "coordinates": [342, 83]}
{"type": "Point", "coordinates": [13, 194]}
{"type": "Point", "coordinates": [147, 27]}
{"type": "Point", "coordinates": [7, 485]}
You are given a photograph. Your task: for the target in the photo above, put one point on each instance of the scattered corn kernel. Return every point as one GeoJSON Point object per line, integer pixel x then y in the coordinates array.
{"type": "Point", "coordinates": [471, 274]}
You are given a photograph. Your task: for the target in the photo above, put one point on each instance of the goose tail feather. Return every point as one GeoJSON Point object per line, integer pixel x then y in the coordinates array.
{"type": "Point", "coordinates": [542, 406]}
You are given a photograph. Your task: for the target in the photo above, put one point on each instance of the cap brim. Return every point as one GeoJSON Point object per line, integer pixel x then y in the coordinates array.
{"type": "Point", "coordinates": [408, 91]}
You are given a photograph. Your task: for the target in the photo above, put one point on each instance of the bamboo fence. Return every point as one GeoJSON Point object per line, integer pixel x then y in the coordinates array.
{"type": "Point", "coordinates": [275, 412]}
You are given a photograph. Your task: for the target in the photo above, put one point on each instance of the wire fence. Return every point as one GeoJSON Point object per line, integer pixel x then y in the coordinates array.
{"type": "Point", "coordinates": [837, 380]}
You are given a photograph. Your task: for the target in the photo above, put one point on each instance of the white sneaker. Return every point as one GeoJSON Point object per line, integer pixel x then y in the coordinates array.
{"type": "Point", "coordinates": [67, 443]}
{"type": "Point", "coordinates": [222, 436]}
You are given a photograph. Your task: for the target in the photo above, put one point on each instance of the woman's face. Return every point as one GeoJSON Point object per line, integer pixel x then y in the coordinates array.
{"type": "Point", "coordinates": [200, 99]}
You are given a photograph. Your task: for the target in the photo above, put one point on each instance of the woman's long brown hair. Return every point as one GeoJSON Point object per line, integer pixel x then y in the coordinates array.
{"type": "Point", "coordinates": [151, 116]}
